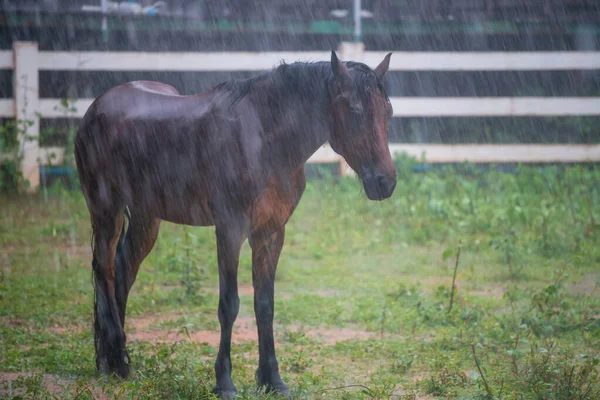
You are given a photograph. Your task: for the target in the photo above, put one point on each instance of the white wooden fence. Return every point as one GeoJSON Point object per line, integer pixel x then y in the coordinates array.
{"type": "Point", "coordinates": [26, 61]}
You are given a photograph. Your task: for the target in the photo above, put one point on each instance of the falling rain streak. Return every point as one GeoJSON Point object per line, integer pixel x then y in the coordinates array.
{"type": "Point", "coordinates": [355, 198]}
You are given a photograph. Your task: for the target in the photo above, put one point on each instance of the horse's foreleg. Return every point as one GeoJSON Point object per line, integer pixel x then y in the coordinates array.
{"type": "Point", "coordinates": [229, 244]}
{"type": "Point", "coordinates": [265, 255]}
{"type": "Point", "coordinates": [109, 337]}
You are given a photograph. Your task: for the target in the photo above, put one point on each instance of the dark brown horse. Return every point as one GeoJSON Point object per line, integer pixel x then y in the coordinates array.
{"type": "Point", "coordinates": [232, 157]}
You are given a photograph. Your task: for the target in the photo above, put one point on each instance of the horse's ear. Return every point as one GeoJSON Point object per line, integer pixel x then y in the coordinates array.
{"type": "Point", "coordinates": [383, 66]}
{"type": "Point", "coordinates": [340, 72]}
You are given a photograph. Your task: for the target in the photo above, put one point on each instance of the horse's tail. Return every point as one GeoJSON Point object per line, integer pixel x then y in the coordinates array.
{"type": "Point", "coordinates": [122, 278]}
{"type": "Point", "coordinates": [121, 241]}
{"type": "Point", "coordinates": [123, 230]}
{"type": "Point", "coordinates": [88, 148]}
{"type": "Point", "coordinates": [82, 163]}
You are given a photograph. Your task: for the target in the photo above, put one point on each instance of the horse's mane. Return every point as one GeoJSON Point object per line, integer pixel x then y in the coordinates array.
{"type": "Point", "coordinates": [297, 78]}
{"type": "Point", "coordinates": [236, 90]}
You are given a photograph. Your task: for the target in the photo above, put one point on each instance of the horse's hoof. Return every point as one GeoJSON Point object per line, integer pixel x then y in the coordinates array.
{"type": "Point", "coordinates": [225, 394]}
{"type": "Point", "coordinates": [102, 366]}
{"type": "Point", "coordinates": [283, 391]}
{"type": "Point", "coordinates": [108, 367]}
{"type": "Point", "coordinates": [122, 371]}
{"type": "Point", "coordinates": [278, 388]}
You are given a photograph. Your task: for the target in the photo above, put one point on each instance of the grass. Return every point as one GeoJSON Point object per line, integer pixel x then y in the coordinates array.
{"type": "Point", "coordinates": [362, 294]}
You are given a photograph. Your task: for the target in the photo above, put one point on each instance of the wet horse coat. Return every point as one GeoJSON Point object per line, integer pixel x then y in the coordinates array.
{"type": "Point", "coordinates": [232, 157]}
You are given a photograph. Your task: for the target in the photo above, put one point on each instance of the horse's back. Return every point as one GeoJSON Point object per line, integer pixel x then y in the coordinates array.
{"type": "Point", "coordinates": [148, 102]}
{"type": "Point", "coordinates": [134, 112]}
{"type": "Point", "coordinates": [152, 87]}
{"type": "Point", "coordinates": [144, 142]}
{"type": "Point", "coordinates": [131, 95]}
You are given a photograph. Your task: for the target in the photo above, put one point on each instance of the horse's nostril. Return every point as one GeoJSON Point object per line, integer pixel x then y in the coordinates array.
{"type": "Point", "coordinates": [378, 186]}
{"type": "Point", "coordinates": [392, 186]}
{"type": "Point", "coordinates": [385, 184]}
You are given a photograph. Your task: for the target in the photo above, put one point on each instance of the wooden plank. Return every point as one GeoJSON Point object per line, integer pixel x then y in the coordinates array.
{"type": "Point", "coordinates": [7, 59]}
{"type": "Point", "coordinates": [259, 61]}
{"type": "Point", "coordinates": [52, 155]}
{"type": "Point", "coordinates": [446, 153]}
{"type": "Point", "coordinates": [426, 106]}
{"type": "Point", "coordinates": [171, 61]}
{"type": "Point", "coordinates": [500, 153]}
{"type": "Point", "coordinates": [7, 108]}
{"type": "Point", "coordinates": [487, 61]}
{"type": "Point", "coordinates": [325, 154]}
{"type": "Point", "coordinates": [52, 108]}
{"type": "Point", "coordinates": [494, 106]}
{"type": "Point", "coordinates": [484, 153]}
{"type": "Point", "coordinates": [26, 102]}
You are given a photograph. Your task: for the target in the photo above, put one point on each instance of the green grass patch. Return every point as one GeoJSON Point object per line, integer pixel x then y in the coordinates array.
{"type": "Point", "coordinates": [363, 294]}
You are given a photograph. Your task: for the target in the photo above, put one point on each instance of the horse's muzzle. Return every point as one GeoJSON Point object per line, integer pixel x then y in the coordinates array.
{"type": "Point", "coordinates": [378, 186]}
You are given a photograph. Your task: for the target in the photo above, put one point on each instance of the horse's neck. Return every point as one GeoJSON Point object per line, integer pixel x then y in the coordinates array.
{"type": "Point", "coordinates": [302, 127]}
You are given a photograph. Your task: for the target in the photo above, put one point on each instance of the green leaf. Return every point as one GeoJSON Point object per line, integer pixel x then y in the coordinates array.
{"type": "Point", "coordinates": [447, 253]}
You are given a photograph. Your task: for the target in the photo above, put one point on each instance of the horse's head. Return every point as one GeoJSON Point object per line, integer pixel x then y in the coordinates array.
{"type": "Point", "coordinates": [360, 110]}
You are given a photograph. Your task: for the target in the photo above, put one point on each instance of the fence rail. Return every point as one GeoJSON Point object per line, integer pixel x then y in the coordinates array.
{"type": "Point", "coordinates": [443, 153]}
{"type": "Point", "coordinates": [485, 153]}
{"type": "Point", "coordinates": [405, 107]}
{"type": "Point", "coordinates": [258, 61]}
{"type": "Point", "coordinates": [27, 61]}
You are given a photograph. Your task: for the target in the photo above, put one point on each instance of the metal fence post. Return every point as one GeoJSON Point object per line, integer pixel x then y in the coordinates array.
{"type": "Point", "coordinates": [26, 96]}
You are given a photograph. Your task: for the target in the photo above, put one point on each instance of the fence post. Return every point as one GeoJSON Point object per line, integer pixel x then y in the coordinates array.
{"type": "Point", "coordinates": [26, 95]}
{"type": "Point", "coordinates": [350, 51]}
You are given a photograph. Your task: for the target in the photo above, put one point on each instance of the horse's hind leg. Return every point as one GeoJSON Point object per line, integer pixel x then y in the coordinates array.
{"type": "Point", "coordinates": [109, 337]}
{"type": "Point", "coordinates": [139, 241]}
